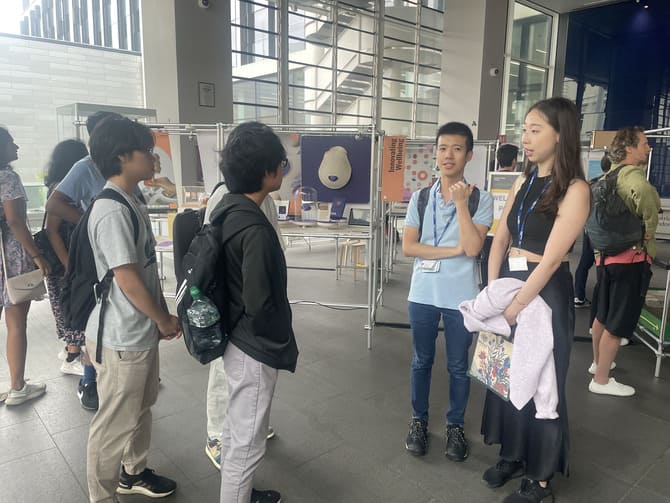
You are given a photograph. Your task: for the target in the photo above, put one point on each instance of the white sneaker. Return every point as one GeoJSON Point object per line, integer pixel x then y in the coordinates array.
{"type": "Point", "coordinates": [62, 354]}
{"type": "Point", "coordinates": [75, 367]}
{"type": "Point", "coordinates": [611, 388]}
{"type": "Point", "coordinates": [624, 341]}
{"type": "Point", "coordinates": [593, 367]}
{"type": "Point", "coordinates": [30, 390]}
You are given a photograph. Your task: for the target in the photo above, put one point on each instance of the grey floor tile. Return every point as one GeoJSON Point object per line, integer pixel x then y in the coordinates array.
{"type": "Point", "coordinates": [341, 419]}
{"type": "Point", "coordinates": [39, 477]}
{"type": "Point", "coordinates": [23, 439]}
{"type": "Point", "coordinates": [642, 495]}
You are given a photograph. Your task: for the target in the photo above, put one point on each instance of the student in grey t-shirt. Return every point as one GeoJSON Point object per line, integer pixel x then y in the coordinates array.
{"type": "Point", "coordinates": [72, 196]}
{"type": "Point", "coordinates": [136, 318]}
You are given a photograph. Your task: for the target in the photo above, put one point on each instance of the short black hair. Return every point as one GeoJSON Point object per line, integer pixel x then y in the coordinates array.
{"type": "Point", "coordinates": [507, 154]}
{"type": "Point", "coordinates": [252, 151]}
{"type": "Point", "coordinates": [459, 129]}
{"type": "Point", "coordinates": [116, 137]}
{"type": "Point", "coordinates": [64, 155]}
{"type": "Point", "coordinates": [98, 117]}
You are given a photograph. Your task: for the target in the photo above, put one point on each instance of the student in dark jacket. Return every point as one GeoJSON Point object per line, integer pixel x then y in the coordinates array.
{"type": "Point", "coordinates": [261, 335]}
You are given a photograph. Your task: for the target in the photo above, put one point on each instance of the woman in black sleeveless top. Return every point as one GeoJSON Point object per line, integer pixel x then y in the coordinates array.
{"type": "Point", "coordinates": [543, 216]}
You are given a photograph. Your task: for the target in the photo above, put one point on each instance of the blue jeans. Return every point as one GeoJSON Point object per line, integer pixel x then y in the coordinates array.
{"type": "Point", "coordinates": [424, 320]}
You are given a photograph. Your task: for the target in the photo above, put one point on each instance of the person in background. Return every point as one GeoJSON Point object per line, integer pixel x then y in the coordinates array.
{"type": "Point", "coordinates": [587, 259]}
{"type": "Point", "coordinates": [623, 279]}
{"type": "Point", "coordinates": [545, 212]}
{"type": "Point", "coordinates": [21, 255]}
{"type": "Point", "coordinates": [507, 156]}
{"type": "Point", "coordinates": [63, 157]}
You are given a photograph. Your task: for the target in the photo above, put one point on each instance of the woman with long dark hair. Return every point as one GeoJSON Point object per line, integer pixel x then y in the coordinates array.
{"type": "Point", "coordinates": [63, 157]}
{"type": "Point", "coordinates": [21, 255]}
{"type": "Point", "coordinates": [543, 216]}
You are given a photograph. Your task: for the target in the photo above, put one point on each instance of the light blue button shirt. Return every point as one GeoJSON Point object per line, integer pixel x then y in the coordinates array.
{"type": "Point", "coordinates": [457, 280]}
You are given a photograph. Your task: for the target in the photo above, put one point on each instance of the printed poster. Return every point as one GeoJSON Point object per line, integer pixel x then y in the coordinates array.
{"type": "Point", "coordinates": [393, 168]}
{"type": "Point", "coordinates": [500, 184]}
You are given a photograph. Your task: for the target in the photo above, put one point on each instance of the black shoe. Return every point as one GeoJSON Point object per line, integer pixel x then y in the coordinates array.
{"type": "Point", "coordinates": [502, 472]}
{"type": "Point", "coordinates": [582, 303]}
{"type": "Point", "coordinates": [88, 395]}
{"type": "Point", "coordinates": [265, 496]}
{"type": "Point", "coordinates": [531, 492]}
{"type": "Point", "coordinates": [457, 446]}
{"type": "Point", "coordinates": [146, 483]}
{"type": "Point", "coordinates": [417, 438]}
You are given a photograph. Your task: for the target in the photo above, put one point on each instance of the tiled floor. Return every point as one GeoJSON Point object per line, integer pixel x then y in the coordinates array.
{"type": "Point", "coordinates": [340, 419]}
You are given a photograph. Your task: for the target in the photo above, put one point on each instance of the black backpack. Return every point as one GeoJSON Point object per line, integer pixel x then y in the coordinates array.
{"type": "Point", "coordinates": [199, 261]}
{"type": "Point", "coordinates": [81, 287]}
{"type": "Point", "coordinates": [611, 227]}
{"type": "Point", "coordinates": [424, 195]}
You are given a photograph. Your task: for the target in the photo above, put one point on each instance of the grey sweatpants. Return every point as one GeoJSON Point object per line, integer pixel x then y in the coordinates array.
{"type": "Point", "coordinates": [251, 385]}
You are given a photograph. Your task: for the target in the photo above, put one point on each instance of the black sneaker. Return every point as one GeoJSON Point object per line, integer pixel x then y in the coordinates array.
{"type": "Point", "coordinates": [146, 483]}
{"type": "Point", "coordinates": [531, 492]}
{"type": "Point", "coordinates": [582, 303]}
{"type": "Point", "coordinates": [265, 496]}
{"type": "Point", "coordinates": [417, 438]}
{"type": "Point", "coordinates": [88, 395]}
{"type": "Point", "coordinates": [502, 472]}
{"type": "Point", "coordinates": [457, 446]}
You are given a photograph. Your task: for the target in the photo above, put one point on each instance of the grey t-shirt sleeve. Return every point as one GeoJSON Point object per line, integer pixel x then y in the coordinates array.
{"type": "Point", "coordinates": [113, 234]}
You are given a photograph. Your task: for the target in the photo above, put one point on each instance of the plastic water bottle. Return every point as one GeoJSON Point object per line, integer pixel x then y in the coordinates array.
{"type": "Point", "coordinates": [203, 319]}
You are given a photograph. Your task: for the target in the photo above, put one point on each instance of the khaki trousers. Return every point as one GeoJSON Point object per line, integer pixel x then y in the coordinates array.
{"type": "Point", "coordinates": [120, 432]}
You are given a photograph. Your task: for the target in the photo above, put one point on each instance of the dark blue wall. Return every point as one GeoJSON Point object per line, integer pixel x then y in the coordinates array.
{"type": "Point", "coordinates": [625, 48]}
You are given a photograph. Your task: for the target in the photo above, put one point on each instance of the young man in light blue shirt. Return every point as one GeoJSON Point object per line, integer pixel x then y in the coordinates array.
{"type": "Point", "coordinates": [445, 247]}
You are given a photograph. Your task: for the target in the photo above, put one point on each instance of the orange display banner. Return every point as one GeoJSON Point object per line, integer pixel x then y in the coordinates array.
{"type": "Point", "coordinates": [393, 168]}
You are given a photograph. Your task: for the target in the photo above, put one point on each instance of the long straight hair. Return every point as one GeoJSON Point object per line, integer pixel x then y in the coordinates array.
{"type": "Point", "coordinates": [563, 116]}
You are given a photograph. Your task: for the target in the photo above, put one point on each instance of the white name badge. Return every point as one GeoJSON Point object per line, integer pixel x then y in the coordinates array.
{"type": "Point", "coordinates": [430, 265]}
{"type": "Point", "coordinates": [517, 263]}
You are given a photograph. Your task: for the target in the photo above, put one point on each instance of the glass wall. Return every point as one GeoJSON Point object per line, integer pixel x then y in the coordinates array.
{"type": "Point", "coordinates": [528, 66]}
{"type": "Point", "coordinates": [333, 58]}
{"type": "Point", "coordinates": [108, 23]}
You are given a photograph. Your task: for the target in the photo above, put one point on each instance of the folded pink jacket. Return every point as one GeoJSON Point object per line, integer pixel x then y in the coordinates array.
{"type": "Point", "coordinates": [532, 369]}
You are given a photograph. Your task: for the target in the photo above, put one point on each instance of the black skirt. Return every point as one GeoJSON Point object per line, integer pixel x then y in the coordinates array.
{"type": "Point", "coordinates": [543, 444]}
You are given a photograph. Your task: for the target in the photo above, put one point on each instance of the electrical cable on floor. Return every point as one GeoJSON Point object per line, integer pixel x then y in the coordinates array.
{"type": "Point", "coordinates": [314, 303]}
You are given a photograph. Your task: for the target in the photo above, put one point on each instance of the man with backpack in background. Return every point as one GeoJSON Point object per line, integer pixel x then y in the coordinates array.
{"type": "Point", "coordinates": [623, 276]}
{"type": "Point", "coordinates": [69, 200]}
{"type": "Point", "coordinates": [133, 315]}
{"type": "Point", "coordinates": [445, 229]}
{"type": "Point", "coordinates": [217, 386]}
{"type": "Point", "coordinates": [257, 311]}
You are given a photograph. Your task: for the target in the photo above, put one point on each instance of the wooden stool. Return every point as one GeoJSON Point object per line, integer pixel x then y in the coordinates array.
{"type": "Point", "coordinates": [351, 252]}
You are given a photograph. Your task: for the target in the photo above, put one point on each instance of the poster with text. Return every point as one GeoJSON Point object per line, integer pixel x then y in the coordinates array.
{"type": "Point", "coordinates": [393, 168]}
{"type": "Point", "coordinates": [499, 186]}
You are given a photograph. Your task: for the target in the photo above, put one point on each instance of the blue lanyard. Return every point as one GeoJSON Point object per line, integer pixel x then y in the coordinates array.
{"type": "Point", "coordinates": [521, 222]}
{"type": "Point", "coordinates": [451, 217]}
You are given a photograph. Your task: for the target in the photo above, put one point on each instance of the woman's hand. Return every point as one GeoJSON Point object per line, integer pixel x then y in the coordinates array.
{"type": "Point", "coordinates": [43, 264]}
{"type": "Point", "coordinates": [510, 315]}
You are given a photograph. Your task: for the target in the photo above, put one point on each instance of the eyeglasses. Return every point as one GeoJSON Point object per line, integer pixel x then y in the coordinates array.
{"type": "Point", "coordinates": [283, 163]}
